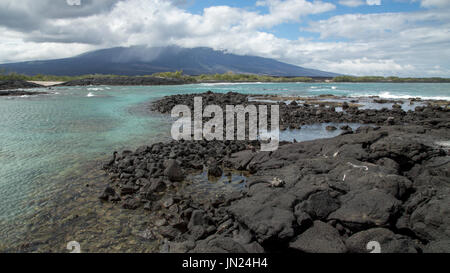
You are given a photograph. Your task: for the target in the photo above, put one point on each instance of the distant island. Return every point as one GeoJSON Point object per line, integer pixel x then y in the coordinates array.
{"type": "Point", "coordinates": [14, 80]}
{"type": "Point", "coordinates": [142, 60]}
{"type": "Point", "coordinates": [186, 65]}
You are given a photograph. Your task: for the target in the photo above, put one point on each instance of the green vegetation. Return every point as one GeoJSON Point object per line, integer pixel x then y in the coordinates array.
{"type": "Point", "coordinates": [388, 79]}
{"type": "Point", "coordinates": [226, 77]}
{"type": "Point", "coordinates": [230, 77]}
{"type": "Point", "coordinates": [39, 77]}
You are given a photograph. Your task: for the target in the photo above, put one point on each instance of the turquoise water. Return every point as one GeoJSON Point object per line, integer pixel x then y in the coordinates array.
{"type": "Point", "coordinates": [44, 139]}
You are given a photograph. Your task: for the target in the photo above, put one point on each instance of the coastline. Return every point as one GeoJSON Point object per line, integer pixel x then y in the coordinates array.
{"type": "Point", "coordinates": [151, 235]}
{"type": "Point", "coordinates": [24, 82]}
{"type": "Point", "coordinates": [368, 184]}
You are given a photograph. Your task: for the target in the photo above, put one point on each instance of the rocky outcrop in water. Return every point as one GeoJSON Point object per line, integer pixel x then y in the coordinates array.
{"type": "Point", "coordinates": [295, 115]}
{"type": "Point", "coordinates": [16, 84]}
{"type": "Point", "coordinates": [124, 81]}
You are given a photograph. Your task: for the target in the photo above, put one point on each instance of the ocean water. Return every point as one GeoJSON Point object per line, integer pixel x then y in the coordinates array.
{"type": "Point", "coordinates": [48, 141]}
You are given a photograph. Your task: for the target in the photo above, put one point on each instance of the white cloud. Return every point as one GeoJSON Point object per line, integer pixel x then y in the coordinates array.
{"type": "Point", "coordinates": [357, 3]}
{"type": "Point", "coordinates": [394, 42]}
{"type": "Point", "coordinates": [352, 3]}
{"type": "Point", "coordinates": [285, 11]}
{"type": "Point", "coordinates": [404, 44]}
{"type": "Point", "coordinates": [366, 66]}
{"type": "Point", "coordinates": [373, 2]}
{"type": "Point", "coordinates": [435, 3]}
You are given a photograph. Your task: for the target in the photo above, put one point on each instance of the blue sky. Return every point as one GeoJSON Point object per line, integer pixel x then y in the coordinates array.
{"type": "Point", "coordinates": [293, 31]}
{"type": "Point", "coordinates": [358, 37]}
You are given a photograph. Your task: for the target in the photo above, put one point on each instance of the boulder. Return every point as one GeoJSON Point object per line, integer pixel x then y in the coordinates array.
{"type": "Point", "coordinates": [215, 170]}
{"type": "Point", "coordinates": [367, 208]}
{"type": "Point", "coordinates": [389, 242]}
{"type": "Point", "coordinates": [264, 220]}
{"type": "Point", "coordinates": [320, 205]}
{"type": "Point", "coordinates": [173, 171]}
{"type": "Point", "coordinates": [320, 238]}
{"type": "Point", "coordinates": [109, 194]}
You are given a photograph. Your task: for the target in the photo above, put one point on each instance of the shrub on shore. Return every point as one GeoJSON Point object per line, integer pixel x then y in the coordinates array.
{"type": "Point", "coordinates": [225, 77]}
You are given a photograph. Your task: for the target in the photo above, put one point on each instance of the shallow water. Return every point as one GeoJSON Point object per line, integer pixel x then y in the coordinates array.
{"type": "Point", "coordinates": [51, 146]}
{"type": "Point", "coordinates": [315, 131]}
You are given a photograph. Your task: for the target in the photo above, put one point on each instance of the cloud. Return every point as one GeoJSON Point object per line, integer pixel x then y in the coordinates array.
{"type": "Point", "coordinates": [367, 66]}
{"type": "Point", "coordinates": [352, 3]}
{"type": "Point", "coordinates": [73, 2]}
{"type": "Point", "coordinates": [373, 2]}
{"type": "Point", "coordinates": [382, 44]}
{"type": "Point", "coordinates": [435, 3]}
{"type": "Point", "coordinates": [26, 15]}
{"type": "Point", "coordinates": [389, 42]}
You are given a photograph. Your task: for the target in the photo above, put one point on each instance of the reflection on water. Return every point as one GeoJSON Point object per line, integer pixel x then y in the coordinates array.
{"type": "Point", "coordinates": [201, 186]}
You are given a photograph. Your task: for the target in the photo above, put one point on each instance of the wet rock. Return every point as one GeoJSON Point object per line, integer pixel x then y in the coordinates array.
{"type": "Point", "coordinates": [345, 106]}
{"type": "Point", "coordinates": [215, 170]}
{"type": "Point", "coordinates": [331, 128]}
{"type": "Point", "coordinates": [320, 238]}
{"type": "Point", "coordinates": [109, 194]}
{"type": "Point", "coordinates": [131, 204]}
{"type": "Point", "coordinates": [346, 128]}
{"type": "Point", "coordinates": [173, 171]}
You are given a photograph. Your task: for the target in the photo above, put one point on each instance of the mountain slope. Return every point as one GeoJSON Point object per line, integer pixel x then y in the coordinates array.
{"type": "Point", "coordinates": [140, 60]}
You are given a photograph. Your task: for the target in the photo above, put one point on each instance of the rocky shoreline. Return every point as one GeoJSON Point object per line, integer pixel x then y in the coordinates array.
{"type": "Point", "coordinates": [387, 182]}
{"type": "Point", "coordinates": [322, 109]}
{"type": "Point", "coordinates": [124, 81]}
{"type": "Point", "coordinates": [18, 84]}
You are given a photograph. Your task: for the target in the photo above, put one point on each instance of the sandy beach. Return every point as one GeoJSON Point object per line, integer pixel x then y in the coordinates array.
{"type": "Point", "coordinates": [45, 83]}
